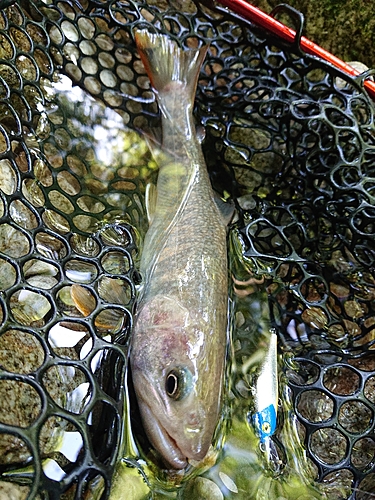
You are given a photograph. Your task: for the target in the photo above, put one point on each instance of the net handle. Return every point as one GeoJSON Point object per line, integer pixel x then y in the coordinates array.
{"type": "Point", "coordinates": [257, 16]}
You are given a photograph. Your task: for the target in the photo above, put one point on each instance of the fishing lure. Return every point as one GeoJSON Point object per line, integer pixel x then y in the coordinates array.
{"type": "Point", "coordinates": [266, 400]}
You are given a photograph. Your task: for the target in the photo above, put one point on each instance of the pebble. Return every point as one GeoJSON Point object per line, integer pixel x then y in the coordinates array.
{"type": "Point", "coordinates": [202, 488]}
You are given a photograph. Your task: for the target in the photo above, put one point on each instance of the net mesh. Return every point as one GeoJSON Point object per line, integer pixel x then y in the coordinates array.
{"type": "Point", "coordinates": [289, 138]}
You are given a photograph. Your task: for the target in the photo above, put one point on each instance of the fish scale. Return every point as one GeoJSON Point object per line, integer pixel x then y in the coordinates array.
{"type": "Point", "coordinates": [192, 231]}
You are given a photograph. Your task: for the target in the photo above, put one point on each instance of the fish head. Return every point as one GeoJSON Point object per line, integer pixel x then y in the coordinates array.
{"type": "Point", "coordinates": [265, 422]}
{"type": "Point", "coordinates": [177, 388]}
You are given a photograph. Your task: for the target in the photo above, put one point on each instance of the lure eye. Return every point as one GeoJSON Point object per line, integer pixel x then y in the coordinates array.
{"type": "Point", "coordinates": [266, 428]}
{"type": "Point", "coordinates": [178, 383]}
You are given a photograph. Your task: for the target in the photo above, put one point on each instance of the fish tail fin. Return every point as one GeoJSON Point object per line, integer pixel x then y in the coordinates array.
{"type": "Point", "coordinates": [166, 63]}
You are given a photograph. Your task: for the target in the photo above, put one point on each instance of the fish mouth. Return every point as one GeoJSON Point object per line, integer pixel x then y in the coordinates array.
{"type": "Point", "coordinates": [161, 440]}
{"type": "Point", "coordinates": [154, 414]}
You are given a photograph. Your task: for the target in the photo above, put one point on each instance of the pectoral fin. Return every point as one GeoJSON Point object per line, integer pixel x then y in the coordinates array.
{"type": "Point", "coordinates": [226, 209]}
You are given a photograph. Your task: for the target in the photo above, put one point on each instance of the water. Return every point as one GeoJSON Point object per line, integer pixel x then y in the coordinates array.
{"type": "Point", "coordinates": [77, 291]}
{"type": "Point", "coordinates": [238, 468]}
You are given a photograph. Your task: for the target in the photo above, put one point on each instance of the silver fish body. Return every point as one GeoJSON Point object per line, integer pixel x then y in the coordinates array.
{"type": "Point", "coordinates": [179, 340]}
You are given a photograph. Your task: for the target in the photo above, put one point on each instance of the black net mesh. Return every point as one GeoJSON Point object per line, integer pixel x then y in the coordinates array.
{"type": "Point", "coordinates": [289, 138]}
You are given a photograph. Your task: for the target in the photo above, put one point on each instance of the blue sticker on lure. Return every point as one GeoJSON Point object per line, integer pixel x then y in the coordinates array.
{"type": "Point", "coordinates": [265, 422]}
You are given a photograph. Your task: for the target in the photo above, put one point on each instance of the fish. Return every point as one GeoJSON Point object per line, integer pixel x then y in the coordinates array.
{"type": "Point", "coordinates": [266, 399]}
{"type": "Point", "coordinates": [178, 344]}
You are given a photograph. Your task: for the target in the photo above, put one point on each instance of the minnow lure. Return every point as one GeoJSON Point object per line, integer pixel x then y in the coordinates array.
{"type": "Point", "coordinates": [266, 399]}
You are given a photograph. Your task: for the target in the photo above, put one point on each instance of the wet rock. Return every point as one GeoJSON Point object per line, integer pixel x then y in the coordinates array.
{"type": "Point", "coordinates": [202, 488]}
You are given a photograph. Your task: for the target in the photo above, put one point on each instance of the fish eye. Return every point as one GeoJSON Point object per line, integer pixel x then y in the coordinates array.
{"type": "Point", "coordinates": [178, 383]}
{"type": "Point", "coordinates": [171, 384]}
